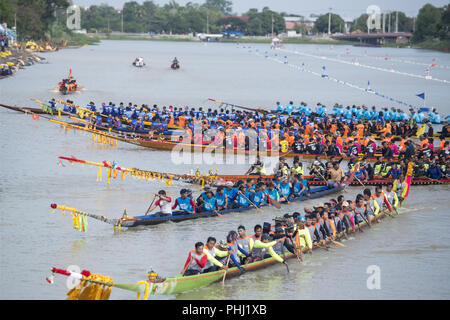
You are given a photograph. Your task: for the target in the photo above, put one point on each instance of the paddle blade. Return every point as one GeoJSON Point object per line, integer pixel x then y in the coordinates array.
{"type": "Point", "coordinates": [275, 203]}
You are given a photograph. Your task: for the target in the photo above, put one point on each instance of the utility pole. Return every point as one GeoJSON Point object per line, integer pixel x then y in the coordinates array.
{"type": "Point", "coordinates": [207, 23]}
{"type": "Point", "coordinates": [122, 20]}
{"type": "Point", "coordinates": [384, 22]}
{"type": "Point", "coordinates": [329, 21]}
{"type": "Point", "coordinates": [272, 25]}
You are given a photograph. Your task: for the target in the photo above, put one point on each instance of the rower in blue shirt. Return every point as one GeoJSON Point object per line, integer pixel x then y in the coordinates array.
{"type": "Point", "coordinates": [280, 108]}
{"type": "Point", "coordinates": [98, 120]}
{"type": "Point", "coordinates": [290, 107]}
{"type": "Point", "coordinates": [53, 104]}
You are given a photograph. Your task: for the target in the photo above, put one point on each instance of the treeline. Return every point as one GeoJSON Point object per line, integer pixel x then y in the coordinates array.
{"type": "Point", "coordinates": [214, 16]}
{"type": "Point", "coordinates": [45, 19]}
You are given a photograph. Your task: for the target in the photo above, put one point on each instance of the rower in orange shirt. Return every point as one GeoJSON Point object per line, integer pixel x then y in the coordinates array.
{"type": "Point", "coordinates": [182, 121]}
{"type": "Point", "coordinates": [360, 130]}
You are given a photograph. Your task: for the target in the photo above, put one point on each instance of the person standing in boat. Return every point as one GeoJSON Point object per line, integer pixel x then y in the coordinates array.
{"type": "Point", "coordinates": [163, 203]}
{"type": "Point", "coordinates": [196, 261]}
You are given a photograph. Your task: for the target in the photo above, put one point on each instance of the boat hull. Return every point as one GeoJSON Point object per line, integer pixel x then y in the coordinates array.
{"type": "Point", "coordinates": [180, 284]}
{"type": "Point", "coordinates": [180, 216]}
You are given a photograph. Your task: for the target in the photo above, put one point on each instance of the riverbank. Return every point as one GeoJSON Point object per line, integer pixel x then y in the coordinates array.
{"type": "Point", "coordinates": [443, 46]}
{"type": "Point", "coordinates": [15, 59]}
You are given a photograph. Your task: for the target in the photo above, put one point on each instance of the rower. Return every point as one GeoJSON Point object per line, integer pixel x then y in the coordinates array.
{"type": "Point", "coordinates": [336, 174]}
{"type": "Point", "coordinates": [163, 203]}
{"type": "Point", "coordinates": [281, 246]}
{"type": "Point", "coordinates": [303, 235]}
{"type": "Point", "coordinates": [348, 214]}
{"type": "Point", "coordinates": [379, 197]}
{"type": "Point", "coordinates": [230, 191]}
{"type": "Point", "coordinates": [184, 203]}
{"type": "Point", "coordinates": [391, 195]}
{"type": "Point", "coordinates": [263, 249]}
{"type": "Point", "coordinates": [272, 193]}
{"type": "Point", "coordinates": [399, 186]}
{"type": "Point", "coordinates": [372, 206]}
{"type": "Point", "coordinates": [360, 211]}
{"type": "Point", "coordinates": [243, 240]}
{"type": "Point", "coordinates": [196, 261]}
{"type": "Point", "coordinates": [259, 167]}
{"type": "Point", "coordinates": [258, 232]}
{"type": "Point", "coordinates": [209, 202]}
{"type": "Point", "coordinates": [212, 252]}
{"type": "Point", "coordinates": [234, 248]}
{"type": "Point", "coordinates": [258, 197]}
{"type": "Point", "coordinates": [242, 198]}
{"type": "Point", "coordinates": [221, 199]}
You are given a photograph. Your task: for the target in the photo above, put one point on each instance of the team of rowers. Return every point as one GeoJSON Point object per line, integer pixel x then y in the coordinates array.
{"type": "Point", "coordinates": [289, 183]}
{"type": "Point", "coordinates": [312, 134]}
{"type": "Point", "coordinates": [292, 233]}
{"type": "Point", "coordinates": [435, 168]}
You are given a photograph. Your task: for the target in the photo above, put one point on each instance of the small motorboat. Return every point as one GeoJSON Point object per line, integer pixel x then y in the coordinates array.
{"type": "Point", "coordinates": [138, 62]}
{"type": "Point", "coordinates": [175, 64]}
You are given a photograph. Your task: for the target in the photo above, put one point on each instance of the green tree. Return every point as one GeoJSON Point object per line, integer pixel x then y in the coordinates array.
{"type": "Point", "coordinates": [233, 23]}
{"type": "Point", "coordinates": [360, 23]}
{"type": "Point", "coordinates": [337, 23]}
{"type": "Point", "coordinates": [428, 23]}
{"type": "Point", "coordinates": [444, 28]}
{"type": "Point", "coordinates": [7, 10]}
{"type": "Point", "coordinates": [224, 6]}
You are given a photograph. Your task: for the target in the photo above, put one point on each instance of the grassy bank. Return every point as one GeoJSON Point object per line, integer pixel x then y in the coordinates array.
{"type": "Point", "coordinates": [433, 45]}
{"type": "Point", "coordinates": [234, 40]}
{"type": "Point", "coordinates": [95, 38]}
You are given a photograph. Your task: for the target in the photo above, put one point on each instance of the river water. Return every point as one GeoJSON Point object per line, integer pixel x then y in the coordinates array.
{"type": "Point", "coordinates": [412, 251]}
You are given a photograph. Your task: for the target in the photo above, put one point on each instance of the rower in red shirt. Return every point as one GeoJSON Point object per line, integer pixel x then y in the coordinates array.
{"type": "Point", "coordinates": [196, 261]}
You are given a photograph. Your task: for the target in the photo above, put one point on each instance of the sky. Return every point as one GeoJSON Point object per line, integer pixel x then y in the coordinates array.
{"type": "Point", "coordinates": [345, 8]}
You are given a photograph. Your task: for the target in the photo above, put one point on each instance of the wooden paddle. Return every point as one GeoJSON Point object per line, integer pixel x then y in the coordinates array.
{"type": "Point", "coordinates": [187, 266]}
{"type": "Point", "coordinates": [154, 197]}
{"type": "Point", "coordinates": [284, 257]}
{"type": "Point", "coordinates": [225, 274]}
{"type": "Point", "coordinates": [337, 243]}
{"type": "Point", "coordinates": [392, 206]}
{"type": "Point", "coordinates": [285, 199]}
{"type": "Point", "coordinates": [296, 251]}
{"type": "Point", "coordinates": [257, 208]}
{"type": "Point", "coordinates": [275, 203]}
{"type": "Point", "coordinates": [214, 210]}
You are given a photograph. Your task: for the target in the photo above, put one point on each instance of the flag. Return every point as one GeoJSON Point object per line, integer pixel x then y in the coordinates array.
{"type": "Point", "coordinates": [368, 84]}
{"type": "Point", "coordinates": [35, 116]}
{"type": "Point", "coordinates": [70, 73]}
{"type": "Point", "coordinates": [421, 95]}
{"type": "Point", "coordinates": [323, 73]}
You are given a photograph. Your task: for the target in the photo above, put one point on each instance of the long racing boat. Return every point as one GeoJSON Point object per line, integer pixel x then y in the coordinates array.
{"type": "Point", "coordinates": [178, 284]}
{"type": "Point", "coordinates": [178, 216]}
